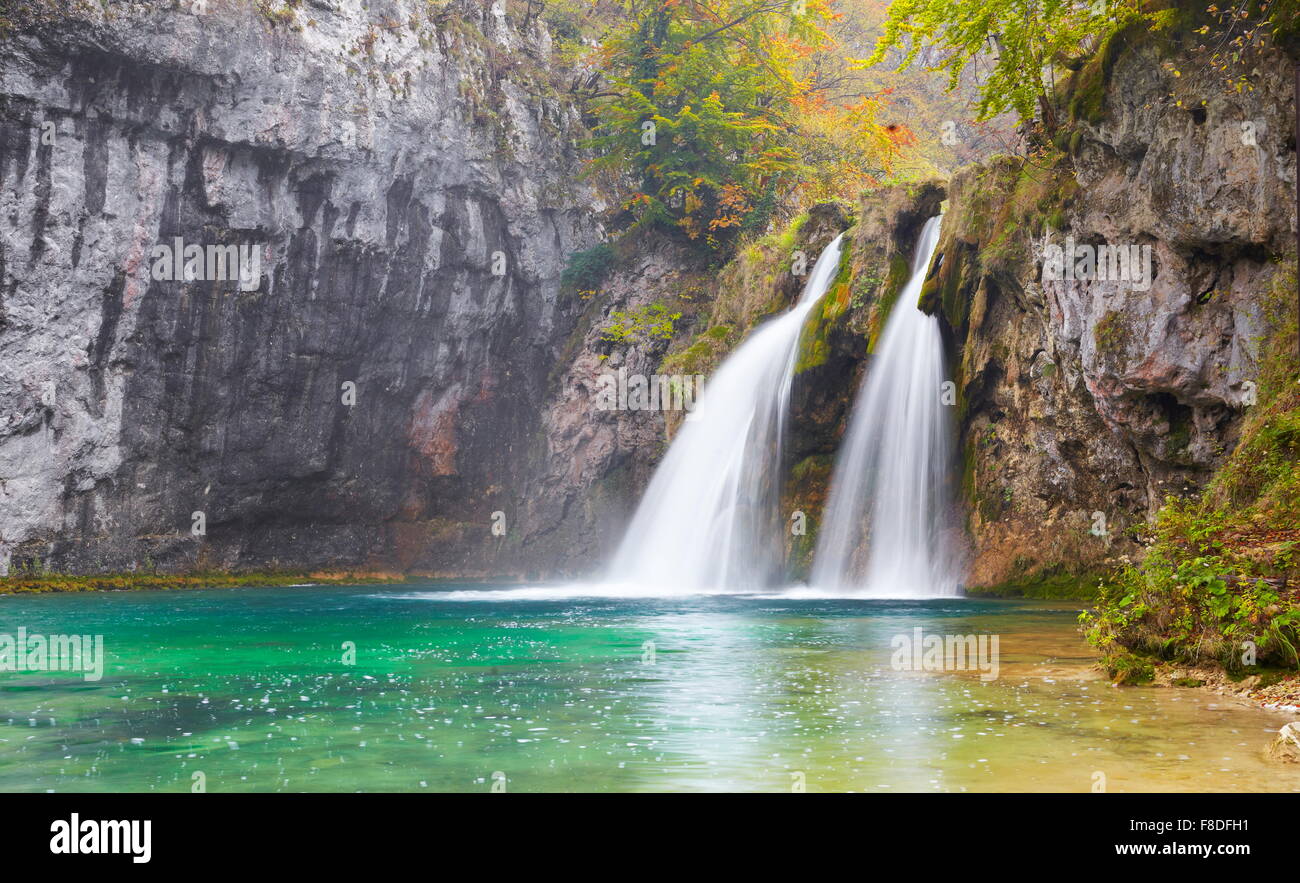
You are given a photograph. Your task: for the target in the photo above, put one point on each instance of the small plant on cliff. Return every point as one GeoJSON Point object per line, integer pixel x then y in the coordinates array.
{"type": "Point", "coordinates": [1110, 333]}
{"type": "Point", "coordinates": [588, 268]}
{"type": "Point", "coordinates": [278, 12]}
{"type": "Point", "coordinates": [652, 322]}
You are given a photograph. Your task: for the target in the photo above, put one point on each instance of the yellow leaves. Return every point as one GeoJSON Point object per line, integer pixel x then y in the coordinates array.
{"type": "Point", "coordinates": [723, 221]}
{"type": "Point", "coordinates": [737, 90]}
{"type": "Point", "coordinates": [732, 204]}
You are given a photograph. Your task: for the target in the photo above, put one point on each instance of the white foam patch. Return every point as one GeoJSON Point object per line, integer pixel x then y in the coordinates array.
{"type": "Point", "coordinates": [638, 592]}
{"type": "Point", "coordinates": [613, 591]}
{"type": "Point", "coordinates": [812, 593]}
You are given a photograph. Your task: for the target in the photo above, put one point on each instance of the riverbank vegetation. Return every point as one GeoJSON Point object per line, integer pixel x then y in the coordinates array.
{"type": "Point", "coordinates": [40, 582]}
{"type": "Point", "coordinates": [1220, 582]}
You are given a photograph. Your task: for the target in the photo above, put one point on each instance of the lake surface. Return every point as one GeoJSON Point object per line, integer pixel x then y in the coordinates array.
{"type": "Point", "coordinates": [554, 692]}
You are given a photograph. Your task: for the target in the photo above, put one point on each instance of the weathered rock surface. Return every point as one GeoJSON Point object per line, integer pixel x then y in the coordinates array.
{"type": "Point", "coordinates": [597, 460]}
{"type": "Point", "coordinates": [410, 177]}
{"type": "Point", "coordinates": [1286, 746]}
{"type": "Point", "coordinates": [1084, 402]}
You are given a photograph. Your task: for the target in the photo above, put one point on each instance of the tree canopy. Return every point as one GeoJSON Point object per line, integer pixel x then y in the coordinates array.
{"type": "Point", "coordinates": [718, 109]}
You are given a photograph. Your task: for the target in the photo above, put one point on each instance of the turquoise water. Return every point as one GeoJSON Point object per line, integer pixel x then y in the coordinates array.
{"type": "Point", "coordinates": [250, 688]}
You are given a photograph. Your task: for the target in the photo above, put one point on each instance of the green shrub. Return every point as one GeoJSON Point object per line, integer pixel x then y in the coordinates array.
{"type": "Point", "coordinates": [587, 269]}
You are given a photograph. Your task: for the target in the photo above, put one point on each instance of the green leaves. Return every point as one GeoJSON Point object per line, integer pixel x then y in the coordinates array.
{"type": "Point", "coordinates": [652, 322]}
{"type": "Point", "coordinates": [1029, 42]}
{"type": "Point", "coordinates": [711, 109]}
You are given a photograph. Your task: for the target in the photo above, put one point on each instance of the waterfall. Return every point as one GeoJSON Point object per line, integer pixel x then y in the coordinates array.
{"type": "Point", "coordinates": [710, 518]}
{"type": "Point", "coordinates": [884, 532]}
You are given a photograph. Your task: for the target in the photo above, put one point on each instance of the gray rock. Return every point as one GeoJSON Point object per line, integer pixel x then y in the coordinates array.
{"type": "Point", "coordinates": [381, 171]}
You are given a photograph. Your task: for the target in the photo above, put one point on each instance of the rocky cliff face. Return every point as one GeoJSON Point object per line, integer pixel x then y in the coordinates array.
{"type": "Point", "coordinates": [401, 179]}
{"type": "Point", "coordinates": [1081, 402]}
{"type": "Point", "coordinates": [1085, 401]}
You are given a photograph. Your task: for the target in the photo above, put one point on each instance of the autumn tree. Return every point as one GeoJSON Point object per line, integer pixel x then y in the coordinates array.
{"type": "Point", "coordinates": [716, 110]}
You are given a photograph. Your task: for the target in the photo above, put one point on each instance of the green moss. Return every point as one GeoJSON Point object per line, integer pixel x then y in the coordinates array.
{"type": "Point", "coordinates": [814, 467]}
{"type": "Point", "coordinates": [814, 349]}
{"type": "Point", "coordinates": [1054, 586]}
{"type": "Point", "coordinates": [1267, 676]}
{"type": "Point", "coordinates": [899, 272]}
{"type": "Point", "coordinates": [698, 358]}
{"type": "Point", "coordinates": [1087, 87]}
{"type": "Point", "coordinates": [1111, 333]}
{"type": "Point", "coordinates": [949, 291]}
{"type": "Point", "coordinates": [1127, 669]}
{"type": "Point", "coordinates": [806, 491]}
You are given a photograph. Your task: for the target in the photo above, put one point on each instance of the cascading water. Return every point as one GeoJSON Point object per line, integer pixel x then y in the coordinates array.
{"type": "Point", "coordinates": [709, 517]}
{"type": "Point", "coordinates": [884, 529]}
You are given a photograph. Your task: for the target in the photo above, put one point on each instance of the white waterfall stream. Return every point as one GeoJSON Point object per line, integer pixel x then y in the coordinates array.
{"type": "Point", "coordinates": [709, 518]}
{"type": "Point", "coordinates": [883, 532]}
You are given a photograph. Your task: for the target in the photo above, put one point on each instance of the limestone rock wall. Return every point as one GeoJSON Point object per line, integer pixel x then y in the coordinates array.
{"type": "Point", "coordinates": [407, 171]}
